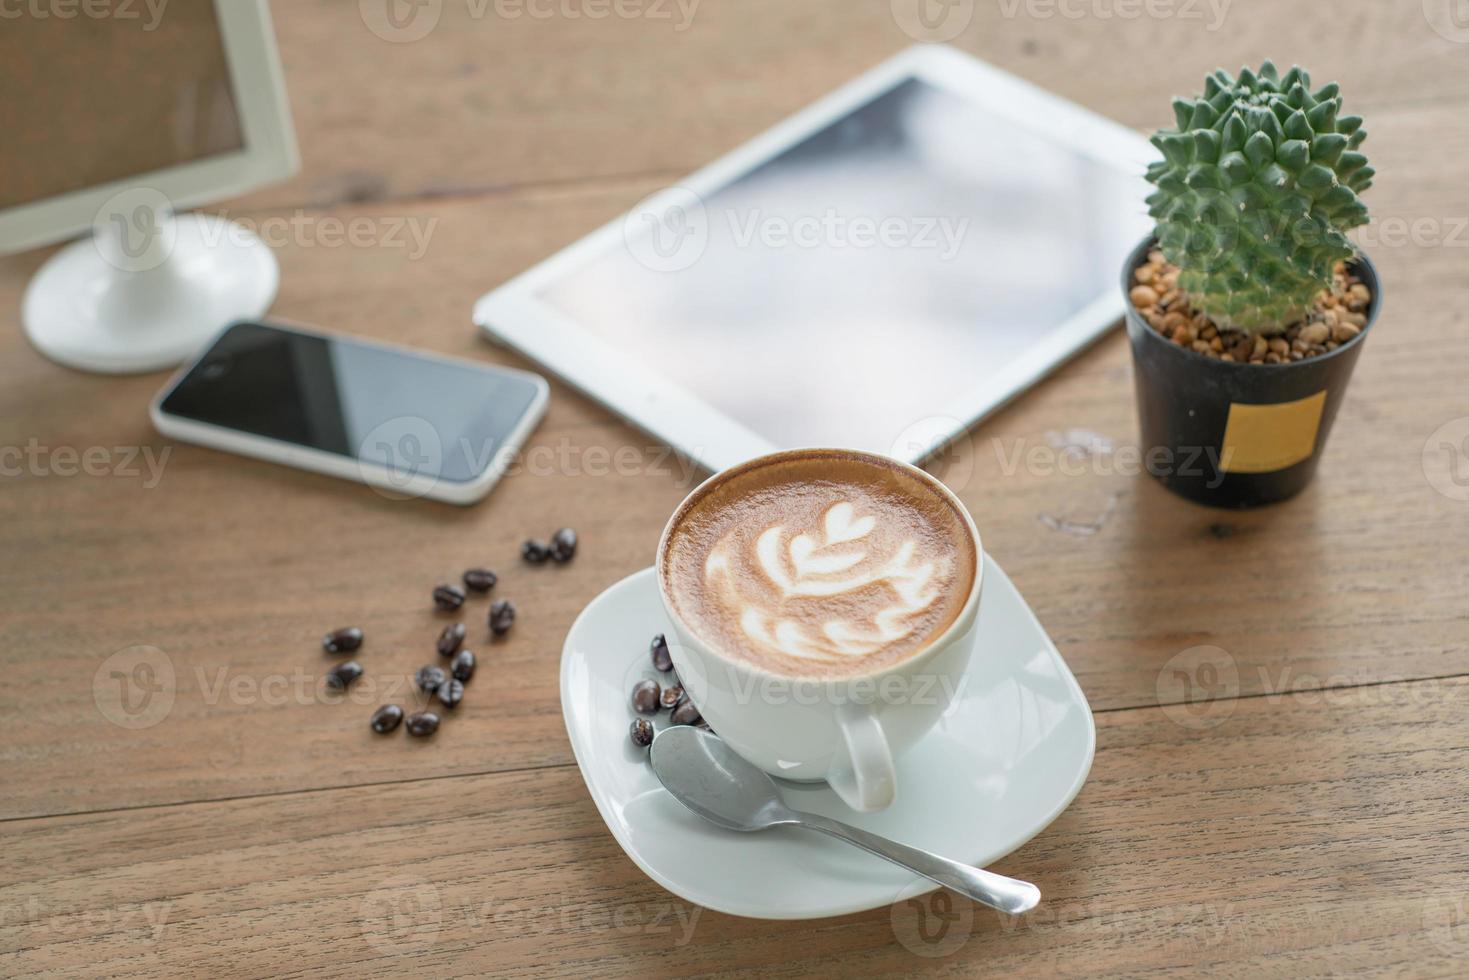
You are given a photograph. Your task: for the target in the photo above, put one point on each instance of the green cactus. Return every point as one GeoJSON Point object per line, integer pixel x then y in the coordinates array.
{"type": "Point", "coordinates": [1257, 187]}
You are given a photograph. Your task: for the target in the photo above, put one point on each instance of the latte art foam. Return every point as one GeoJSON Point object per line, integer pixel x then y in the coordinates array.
{"type": "Point", "coordinates": [820, 565]}
{"type": "Point", "coordinates": [836, 563]}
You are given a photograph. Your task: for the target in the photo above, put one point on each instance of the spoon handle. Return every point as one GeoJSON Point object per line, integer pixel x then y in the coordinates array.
{"type": "Point", "coordinates": [996, 891]}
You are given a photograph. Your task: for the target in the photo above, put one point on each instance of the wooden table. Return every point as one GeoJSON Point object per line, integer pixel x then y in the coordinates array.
{"type": "Point", "coordinates": [1281, 696]}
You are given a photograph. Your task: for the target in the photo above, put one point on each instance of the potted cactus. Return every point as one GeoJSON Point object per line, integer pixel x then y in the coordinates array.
{"type": "Point", "coordinates": [1249, 306]}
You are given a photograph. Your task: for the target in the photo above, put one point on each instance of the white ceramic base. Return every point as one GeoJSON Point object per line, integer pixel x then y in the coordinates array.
{"type": "Point", "coordinates": [124, 316]}
{"type": "Point", "coordinates": [1011, 754]}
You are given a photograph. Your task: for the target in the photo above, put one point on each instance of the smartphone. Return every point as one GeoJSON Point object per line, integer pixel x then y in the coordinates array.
{"type": "Point", "coordinates": [407, 423]}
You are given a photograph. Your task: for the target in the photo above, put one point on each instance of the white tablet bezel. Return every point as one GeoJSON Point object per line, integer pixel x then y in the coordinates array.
{"type": "Point", "coordinates": [619, 379]}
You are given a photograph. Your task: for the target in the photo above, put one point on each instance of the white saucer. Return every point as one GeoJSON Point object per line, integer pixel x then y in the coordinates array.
{"type": "Point", "coordinates": [1011, 754]}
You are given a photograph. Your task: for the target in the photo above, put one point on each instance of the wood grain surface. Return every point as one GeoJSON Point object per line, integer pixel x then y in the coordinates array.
{"type": "Point", "coordinates": [1300, 834]}
{"type": "Point", "coordinates": [1320, 827]}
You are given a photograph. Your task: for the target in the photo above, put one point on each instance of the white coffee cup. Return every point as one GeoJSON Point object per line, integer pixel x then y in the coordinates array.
{"type": "Point", "coordinates": [846, 731]}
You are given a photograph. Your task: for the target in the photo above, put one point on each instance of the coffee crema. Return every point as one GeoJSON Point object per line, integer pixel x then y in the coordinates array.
{"type": "Point", "coordinates": [819, 563]}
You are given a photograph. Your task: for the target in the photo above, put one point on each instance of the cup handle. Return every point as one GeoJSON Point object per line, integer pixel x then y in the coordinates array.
{"type": "Point", "coordinates": [866, 779]}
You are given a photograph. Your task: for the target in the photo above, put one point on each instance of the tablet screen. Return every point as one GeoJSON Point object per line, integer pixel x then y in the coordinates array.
{"type": "Point", "coordinates": [868, 278]}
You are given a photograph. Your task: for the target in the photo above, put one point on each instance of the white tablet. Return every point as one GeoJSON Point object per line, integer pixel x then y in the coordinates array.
{"type": "Point", "coordinates": [877, 272]}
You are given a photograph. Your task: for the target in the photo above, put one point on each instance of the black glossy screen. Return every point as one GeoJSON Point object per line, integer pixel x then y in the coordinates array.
{"type": "Point", "coordinates": [355, 400]}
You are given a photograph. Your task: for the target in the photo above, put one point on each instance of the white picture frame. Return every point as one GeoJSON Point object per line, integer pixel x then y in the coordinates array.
{"type": "Point", "coordinates": [269, 153]}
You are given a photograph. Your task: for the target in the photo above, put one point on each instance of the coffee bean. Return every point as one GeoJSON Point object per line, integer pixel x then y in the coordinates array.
{"type": "Point", "coordinates": [686, 714]}
{"type": "Point", "coordinates": [535, 551]}
{"type": "Point", "coordinates": [429, 678]}
{"type": "Point", "coordinates": [448, 597]}
{"type": "Point", "coordinates": [672, 695]}
{"type": "Point", "coordinates": [641, 732]}
{"type": "Point", "coordinates": [659, 649]}
{"type": "Point", "coordinates": [645, 697]}
{"type": "Point", "coordinates": [451, 639]}
{"type": "Point", "coordinates": [341, 676]}
{"type": "Point", "coordinates": [480, 579]}
{"type": "Point", "coordinates": [563, 545]}
{"type": "Point", "coordinates": [502, 617]}
{"type": "Point", "coordinates": [423, 724]}
{"type": "Point", "coordinates": [462, 666]}
{"type": "Point", "coordinates": [387, 718]}
{"type": "Point", "coordinates": [450, 693]}
{"type": "Point", "coordinates": [345, 640]}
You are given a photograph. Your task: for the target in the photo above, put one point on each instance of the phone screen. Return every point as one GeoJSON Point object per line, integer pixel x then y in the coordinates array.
{"type": "Point", "coordinates": [379, 405]}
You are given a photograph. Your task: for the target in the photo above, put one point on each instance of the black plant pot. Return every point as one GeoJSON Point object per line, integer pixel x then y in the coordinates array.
{"type": "Point", "coordinates": [1230, 434]}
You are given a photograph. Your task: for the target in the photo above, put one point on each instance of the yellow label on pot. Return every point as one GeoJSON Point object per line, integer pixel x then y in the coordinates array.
{"type": "Point", "coordinates": [1266, 438]}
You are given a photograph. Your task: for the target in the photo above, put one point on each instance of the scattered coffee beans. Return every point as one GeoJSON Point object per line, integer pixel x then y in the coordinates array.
{"type": "Point", "coordinates": [563, 545]}
{"type": "Point", "coordinates": [429, 678]}
{"type": "Point", "coordinates": [502, 617]}
{"type": "Point", "coordinates": [659, 649]}
{"type": "Point", "coordinates": [645, 697]}
{"type": "Point", "coordinates": [672, 695]}
{"type": "Point", "coordinates": [641, 732]}
{"type": "Point", "coordinates": [387, 718]}
{"type": "Point", "coordinates": [345, 640]}
{"type": "Point", "coordinates": [448, 597]}
{"type": "Point", "coordinates": [448, 686]}
{"type": "Point", "coordinates": [686, 714]}
{"type": "Point", "coordinates": [342, 675]}
{"type": "Point", "coordinates": [450, 693]}
{"type": "Point", "coordinates": [451, 639]}
{"type": "Point", "coordinates": [480, 579]}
